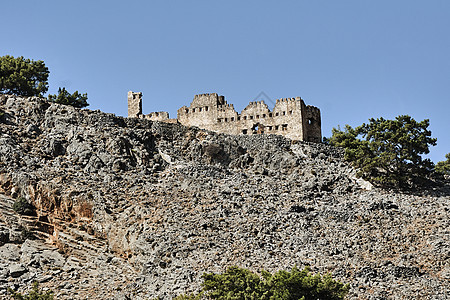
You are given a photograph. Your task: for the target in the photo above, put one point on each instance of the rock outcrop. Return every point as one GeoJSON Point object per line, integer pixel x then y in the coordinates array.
{"type": "Point", "coordinates": [130, 208]}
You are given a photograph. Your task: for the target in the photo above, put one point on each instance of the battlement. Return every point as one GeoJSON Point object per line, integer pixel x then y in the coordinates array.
{"type": "Point", "coordinates": [208, 100]}
{"type": "Point", "coordinates": [290, 116]}
{"type": "Point", "coordinates": [288, 100]}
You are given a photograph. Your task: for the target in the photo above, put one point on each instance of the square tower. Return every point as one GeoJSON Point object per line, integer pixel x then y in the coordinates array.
{"type": "Point", "coordinates": [134, 104]}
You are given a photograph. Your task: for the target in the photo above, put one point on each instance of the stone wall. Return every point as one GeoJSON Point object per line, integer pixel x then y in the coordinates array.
{"type": "Point", "coordinates": [290, 117]}
{"type": "Point", "coordinates": [157, 116]}
{"type": "Point", "coordinates": [135, 110]}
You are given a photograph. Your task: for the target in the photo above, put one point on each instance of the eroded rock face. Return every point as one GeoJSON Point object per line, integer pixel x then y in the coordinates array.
{"type": "Point", "coordinates": [144, 208]}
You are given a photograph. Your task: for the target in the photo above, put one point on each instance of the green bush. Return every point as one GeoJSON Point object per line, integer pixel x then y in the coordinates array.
{"type": "Point", "coordinates": [388, 152]}
{"type": "Point", "coordinates": [64, 97]}
{"type": "Point", "coordinates": [23, 207]}
{"type": "Point", "coordinates": [34, 294]}
{"type": "Point", "coordinates": [238, 283]}
{"type": "Point", "coordinates": [443, 167]}
{"type": "Point", "coordinates": [23, 77]}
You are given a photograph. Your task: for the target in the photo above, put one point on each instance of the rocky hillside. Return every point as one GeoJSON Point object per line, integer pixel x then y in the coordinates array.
{"type": "Point", "coordinates": [134, 209]}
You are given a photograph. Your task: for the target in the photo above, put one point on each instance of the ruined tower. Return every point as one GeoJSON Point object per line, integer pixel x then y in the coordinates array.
{"type": "Point", "coordinates": [134, 104]}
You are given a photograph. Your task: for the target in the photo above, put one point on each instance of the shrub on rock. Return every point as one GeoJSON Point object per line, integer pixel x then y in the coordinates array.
{"type": "Point", "coordinates": [35, 294]}
{"type": "Point", "coordinates": [64, 97]}
{"type": "Point", "coordinates": [23, 207]}
{"type": "Point", "coordinates": [239, 283]}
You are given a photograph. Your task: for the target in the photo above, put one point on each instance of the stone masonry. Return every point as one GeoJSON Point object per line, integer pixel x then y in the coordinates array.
{"type": "Point", "coordinates": [290, 117]}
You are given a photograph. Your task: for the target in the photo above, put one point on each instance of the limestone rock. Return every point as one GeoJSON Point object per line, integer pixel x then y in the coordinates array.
{"type": "Point", "coordinates": [131, 208]}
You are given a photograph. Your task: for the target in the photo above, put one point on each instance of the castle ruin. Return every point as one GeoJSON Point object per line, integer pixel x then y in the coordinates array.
{"type": "Point", "coordinates": [290, 117]}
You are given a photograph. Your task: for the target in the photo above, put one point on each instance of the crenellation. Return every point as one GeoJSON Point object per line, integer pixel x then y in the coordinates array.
{"type": "Point", "coordinates": [290, 117]}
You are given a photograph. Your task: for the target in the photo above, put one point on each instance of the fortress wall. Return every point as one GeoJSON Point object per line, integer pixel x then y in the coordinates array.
{"type": "Point", "coordinates": [207, 99]}
{"type": "Point", "coordinates": [313, 124]}
{"type": "Point", "coordinates": [204, 111]}
{"type": "Point", "coordinates": [225, 119]}
{"type": "Point", "coordinates": [157, 116]}
{"type": "Point", "coordinates": [287, 115]}
{"type": "Point", "coordinates": [290, 116]}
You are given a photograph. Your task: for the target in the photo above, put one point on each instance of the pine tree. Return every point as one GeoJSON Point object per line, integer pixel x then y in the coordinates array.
{"type": "Point", "coordinates": [64, 97]}
{"type": "Point", "coordinates": [388, 152]}
{"type": "Point", "coordinates": [23, 77]}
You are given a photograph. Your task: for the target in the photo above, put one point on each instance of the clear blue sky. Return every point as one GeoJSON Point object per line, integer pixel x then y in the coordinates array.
{"type": "Point", "coordinates": [353, 59]}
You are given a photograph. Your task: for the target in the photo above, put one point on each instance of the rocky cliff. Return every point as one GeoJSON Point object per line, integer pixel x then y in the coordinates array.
{"type": "Point", "coordinates": [131, 209]}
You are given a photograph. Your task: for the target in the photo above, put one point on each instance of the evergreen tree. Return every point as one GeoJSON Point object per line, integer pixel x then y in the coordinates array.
{"type": "Point", "coordinates": [64, 97]}
{"type": "Point", "coordinates": [23, 77]}
{"type": "Point", "coordinates": [388, 152]}
{"type": "Point", "coordinates": [443, 167]}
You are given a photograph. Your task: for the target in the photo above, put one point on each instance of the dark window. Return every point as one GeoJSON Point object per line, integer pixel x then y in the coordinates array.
{"type": "Point", "coordinates": [239, 118]}
{"type": "Point", "coordinates": [290, 112]}
{"type": "Point", "coordinates": [232, 119]}
{"type": "Point", "coordinates": [226, 119]}
{"type": "Point", "coordinates": [257, 116]}
{"type": "Point", "coordinates": [270, 115]}
{"type": "Point", "coordinates": [244, 131]}
{"type": "Point", "coordinates": [276, 127]}
{"type": "Point", "coordinates": [245, 117]}
{"type": "Point", "coordinates": [251, 117]}
{"type": "Point", "coordinates": [206, 108]}
{"type": "Point", "coordinates": [199, 109]}
{"type": "Point", "coordinates": [276, 114]}
{"type": "Point", "coordinates": [284, 113]}
{"type": "Point", "coordinates": [187, 110]}
{"type": "Point", "coordinates": [264, 115]}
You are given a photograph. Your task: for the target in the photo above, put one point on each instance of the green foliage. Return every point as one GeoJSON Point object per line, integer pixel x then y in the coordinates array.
{"type": "Point", "coordinates": [189, 297]}
{"type": "Point", "coordinates": [64, 97]}
{"type": "Point", "coordinates": [443, 167]}
{"type": "Point", "coordinates": [23, 77]}
{"type": "Point", "coordinates": [388, 152]}
{"type": "Point", "coordinates": [23, 207]}
{"type": "Point", "coordinates": [34, 294]}
{"type": "Point", "coordinates": [237, 283]}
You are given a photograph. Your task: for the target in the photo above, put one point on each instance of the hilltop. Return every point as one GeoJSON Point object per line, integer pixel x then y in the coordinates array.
{"type": "Point", "coordinates": [129, 208]}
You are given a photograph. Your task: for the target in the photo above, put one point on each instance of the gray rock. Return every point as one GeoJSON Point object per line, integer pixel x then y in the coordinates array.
{"type": "Point", "coordinates": [158, 204]}
{"type": "Point", "coordinates": [9, 252]}
{"type": "Point", "coordinates": [17, 270]}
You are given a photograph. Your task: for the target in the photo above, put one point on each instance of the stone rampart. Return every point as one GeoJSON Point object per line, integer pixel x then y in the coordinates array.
{"type": "Point", "coordinates": [290, 117]}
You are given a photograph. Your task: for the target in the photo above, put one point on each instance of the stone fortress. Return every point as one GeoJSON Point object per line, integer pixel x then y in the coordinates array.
{"type": "Point", "coordinates": [290, 117]}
